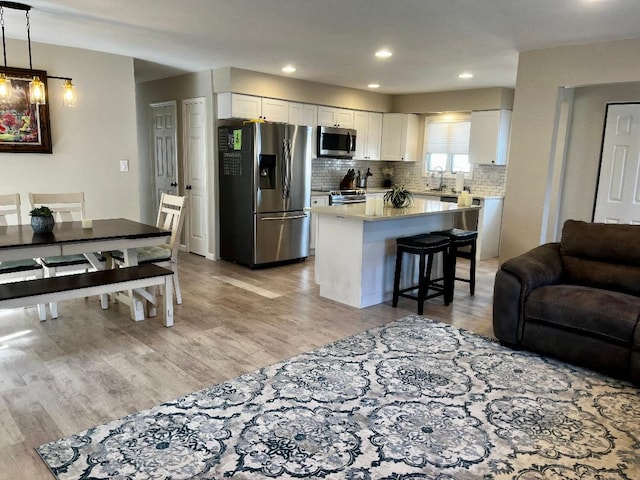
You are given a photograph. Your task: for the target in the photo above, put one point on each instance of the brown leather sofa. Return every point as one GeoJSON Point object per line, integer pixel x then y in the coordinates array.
{"type": "Point", "coordinates": [578, 300]}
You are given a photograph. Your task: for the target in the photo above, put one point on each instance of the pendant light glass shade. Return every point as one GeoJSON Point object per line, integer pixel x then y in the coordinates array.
{"type": "Point", "coordinates": [5, 88]}
{"type": "Point", "coordinates": [68, 94]}
{"type": "Point", "coordinates": [36, 91]}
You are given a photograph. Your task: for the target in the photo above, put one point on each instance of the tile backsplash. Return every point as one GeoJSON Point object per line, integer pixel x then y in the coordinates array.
{"type": "Point", "coordinates": [327, 173]}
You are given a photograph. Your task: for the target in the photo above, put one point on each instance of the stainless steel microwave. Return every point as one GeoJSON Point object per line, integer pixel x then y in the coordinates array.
{"type": "Point", "coordinates": [336, 142]}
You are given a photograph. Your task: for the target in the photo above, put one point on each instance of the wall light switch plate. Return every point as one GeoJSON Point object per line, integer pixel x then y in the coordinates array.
{"type": "Point", "coordinates": [124, 165]}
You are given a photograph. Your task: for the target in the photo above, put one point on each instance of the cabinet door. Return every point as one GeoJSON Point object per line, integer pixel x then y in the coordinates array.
{"type": "Point", "coordinates": [331, 117]}
{"type": "Point", "coordinates": [303, 114]}
{"type": "Point", "coordinates": [296, 113]}
{"type": "Point", "coordinates": [344, 118]}
{"type": "Point", "coordinates": [368, 126]}
{"type": "Point", "coordinates": [361, 125]}
{"type": "Point", "coordinates": [316, 201]}
{"type": "Point", "coordinates": [326, 116]}
{"type": "Point", "coordinates": [489, 137]}
{"type": "Point", "coordinates": [399, 137]}
{"type": "Point", "coordinates": [310, 115]}
{"type": "Point", "coordinates": [392, 136]}
{"type": "Point", "coordinates": [275, 110]}
{"type": "Point", "coordinates": [374, 136]}
{"type": "Point", "coordinates": [245, 106]}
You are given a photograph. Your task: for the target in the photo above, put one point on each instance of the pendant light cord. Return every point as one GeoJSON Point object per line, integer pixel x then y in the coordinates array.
{"type": "Point", "coordinates": [4, 46]}
{"type": "Point", "coordinates": [29, 39]}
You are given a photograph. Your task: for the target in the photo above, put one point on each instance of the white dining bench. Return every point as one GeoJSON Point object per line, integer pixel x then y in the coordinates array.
{"type": "Point", "coordinates": [137, 278]}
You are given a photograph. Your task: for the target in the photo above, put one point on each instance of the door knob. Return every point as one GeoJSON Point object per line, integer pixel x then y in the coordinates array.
{"type": "Point", "coordinates": [174, 184]}
{"type": "Point", "coordinates": [188, 187]}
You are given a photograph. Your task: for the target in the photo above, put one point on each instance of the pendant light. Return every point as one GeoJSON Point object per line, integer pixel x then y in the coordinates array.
{"type": "Point", "coordinates": [68, 94]}
{"type": "Point", "coordinates": [37, 92]}
{"type": "Point", "coordinates": [36, 87]}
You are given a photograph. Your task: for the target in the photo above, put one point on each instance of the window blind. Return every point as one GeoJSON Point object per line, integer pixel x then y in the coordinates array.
{"type": "Point", "coordinates": [448, 137]}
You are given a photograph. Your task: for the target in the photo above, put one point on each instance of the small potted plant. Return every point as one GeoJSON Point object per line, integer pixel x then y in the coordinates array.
{"type": "Point", "coordinates": [42, 220]}
{"type": "Point", "coordinates": [399, 197]}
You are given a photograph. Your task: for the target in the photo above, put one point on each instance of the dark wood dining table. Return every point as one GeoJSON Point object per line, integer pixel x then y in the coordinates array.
{"type": "Point", "coordinates": [19, 242]}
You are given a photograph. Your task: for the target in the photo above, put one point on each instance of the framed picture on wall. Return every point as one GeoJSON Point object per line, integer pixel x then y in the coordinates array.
{"type": "Point", "coordinates": [24, 127]}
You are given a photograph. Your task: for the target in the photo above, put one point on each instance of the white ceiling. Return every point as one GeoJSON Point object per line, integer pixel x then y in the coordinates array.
{"type": "Point", "coordinates": [331, 41]}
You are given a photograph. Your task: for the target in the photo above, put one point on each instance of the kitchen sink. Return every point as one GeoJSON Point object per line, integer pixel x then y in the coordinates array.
{"type": "Point", "coordinates": [437, 190]}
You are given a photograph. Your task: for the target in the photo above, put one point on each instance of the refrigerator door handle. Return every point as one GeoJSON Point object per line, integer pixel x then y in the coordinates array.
{"type": "Point", "coordinates": [286, 170]}
{"type": "Point", "coordinates": [293, 217]}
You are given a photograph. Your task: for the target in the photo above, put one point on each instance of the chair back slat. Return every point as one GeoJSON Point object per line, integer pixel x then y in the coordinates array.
{"type": "Point", "coordinates": [9, 205]}
{"type": "Point", "coordinates": [171, 217]}
{"type": "Point", "coordinates": [65, 206]}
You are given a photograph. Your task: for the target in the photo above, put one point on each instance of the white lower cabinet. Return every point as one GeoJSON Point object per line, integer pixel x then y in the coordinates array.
{"type": "Point", "coordinates": [316, 201]}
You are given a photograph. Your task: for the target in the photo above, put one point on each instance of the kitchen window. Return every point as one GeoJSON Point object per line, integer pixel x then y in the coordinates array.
{"type": "Point", "coordinates": [446, 140]}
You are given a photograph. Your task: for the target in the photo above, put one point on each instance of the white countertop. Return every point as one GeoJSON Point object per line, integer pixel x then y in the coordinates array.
{"type": "Point", "coordinates": [419, 207]}
{"type": "Point", "coordinates": [430, 193]}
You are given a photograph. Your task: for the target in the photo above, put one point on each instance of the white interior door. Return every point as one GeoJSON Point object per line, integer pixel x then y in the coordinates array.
{"type": "Point", "coordinates": [618, 194]}
{"type": "Point", "coordinates": [194, 116]}
{"type": "Point", "coordinates": [165, 160]}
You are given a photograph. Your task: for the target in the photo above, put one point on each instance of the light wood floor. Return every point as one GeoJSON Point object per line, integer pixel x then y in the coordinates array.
{"type": "Point", "coordinates": [90, 366]}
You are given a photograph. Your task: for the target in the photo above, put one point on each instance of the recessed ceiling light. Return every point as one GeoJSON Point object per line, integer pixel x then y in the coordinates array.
{"type": "Point", "coordinates": [384, 53]}
{"type": "Point", "coordinates": [374, 85]}
{"type": "Point", "coordinates": [289, 69]}
{"type": "Point", "coordinates": [465, 75]}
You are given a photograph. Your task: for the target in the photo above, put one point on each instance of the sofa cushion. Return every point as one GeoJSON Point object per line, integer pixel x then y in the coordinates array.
{"type": "Point", "coordinates": [599, 313]}
{"type": "Point", "coordinates": [601, 255]}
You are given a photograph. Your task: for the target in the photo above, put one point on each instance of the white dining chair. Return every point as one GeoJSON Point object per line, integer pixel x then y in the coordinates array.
{"type": "Point", "coordinates": [170, 217]}
{"type": "Point", "coordinates": [23, 269]}
{"type": "Point", "coordinates": [66, 207]}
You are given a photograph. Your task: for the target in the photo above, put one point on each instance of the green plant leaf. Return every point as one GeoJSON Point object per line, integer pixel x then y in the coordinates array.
{"type": "Point", "coordinates": [42, 211]}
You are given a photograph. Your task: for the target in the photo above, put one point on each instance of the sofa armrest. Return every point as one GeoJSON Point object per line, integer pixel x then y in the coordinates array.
{"type": "Point", "coordinates": [536, 268]}
{"type": "Point", "coordinates": [515, 279]}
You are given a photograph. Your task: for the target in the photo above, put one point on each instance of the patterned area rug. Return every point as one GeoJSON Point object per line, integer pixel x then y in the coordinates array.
{"type": "Point", "coordinates": [413, 400]}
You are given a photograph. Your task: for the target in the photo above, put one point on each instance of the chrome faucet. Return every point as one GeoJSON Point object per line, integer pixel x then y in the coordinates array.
{"type": "Point", "coordinates": [439, 170]}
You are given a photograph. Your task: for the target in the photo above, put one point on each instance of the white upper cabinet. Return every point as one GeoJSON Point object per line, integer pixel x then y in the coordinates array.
{"type": "Point", "coordinates": [303, 114]}
{"type": "Point", "coordinates": [274, 110]}
{"type": "Point", "coordinates": [335, 117]}
{"type": "Point", "coordinates": [489, 137]}
{"type": "Point", "coordinates": [399, 137]}
{"type": "Point", "coordinates": [232, 105]}
{"type": "Point", "coordinates": [235, 105]}
{"type": "Point", "coordinates": [368, 126]}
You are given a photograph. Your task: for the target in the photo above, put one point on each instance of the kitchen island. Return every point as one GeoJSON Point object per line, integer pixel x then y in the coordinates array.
{"type": "Point", "coordinates": [355, 252]}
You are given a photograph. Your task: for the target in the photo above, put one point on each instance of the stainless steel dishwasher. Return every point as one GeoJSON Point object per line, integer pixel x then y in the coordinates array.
{"type": "Point", "coordinates": [465, 219]}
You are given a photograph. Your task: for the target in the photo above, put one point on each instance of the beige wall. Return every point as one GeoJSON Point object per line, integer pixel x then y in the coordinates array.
{"type": "Point", "coordinates": [89, 140]}
{"type": "Point", "coordinates": [182, 87]}
{"type": "Point", "coordinates": [454, 101]}
{"type": "Point", "coordinates": [531, 182]}
{"type": "Point", "coordinates": [236, 80]}
{"type": "Point", "coordinates": [584, 147]}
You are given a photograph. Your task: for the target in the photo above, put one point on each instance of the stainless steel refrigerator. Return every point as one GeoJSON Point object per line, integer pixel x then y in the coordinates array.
{"type": "Point", "coordinates": [264, 187]}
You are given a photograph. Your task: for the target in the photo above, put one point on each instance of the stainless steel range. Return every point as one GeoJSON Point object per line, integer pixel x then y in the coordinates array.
{"type": "Point", "coordinates": [343, 197]}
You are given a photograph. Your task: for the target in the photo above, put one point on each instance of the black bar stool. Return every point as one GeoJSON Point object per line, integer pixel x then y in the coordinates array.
{"type": "Point", "coordinates": [459, 240]}
{"type": "Point", "coordinates": [426, 245]}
